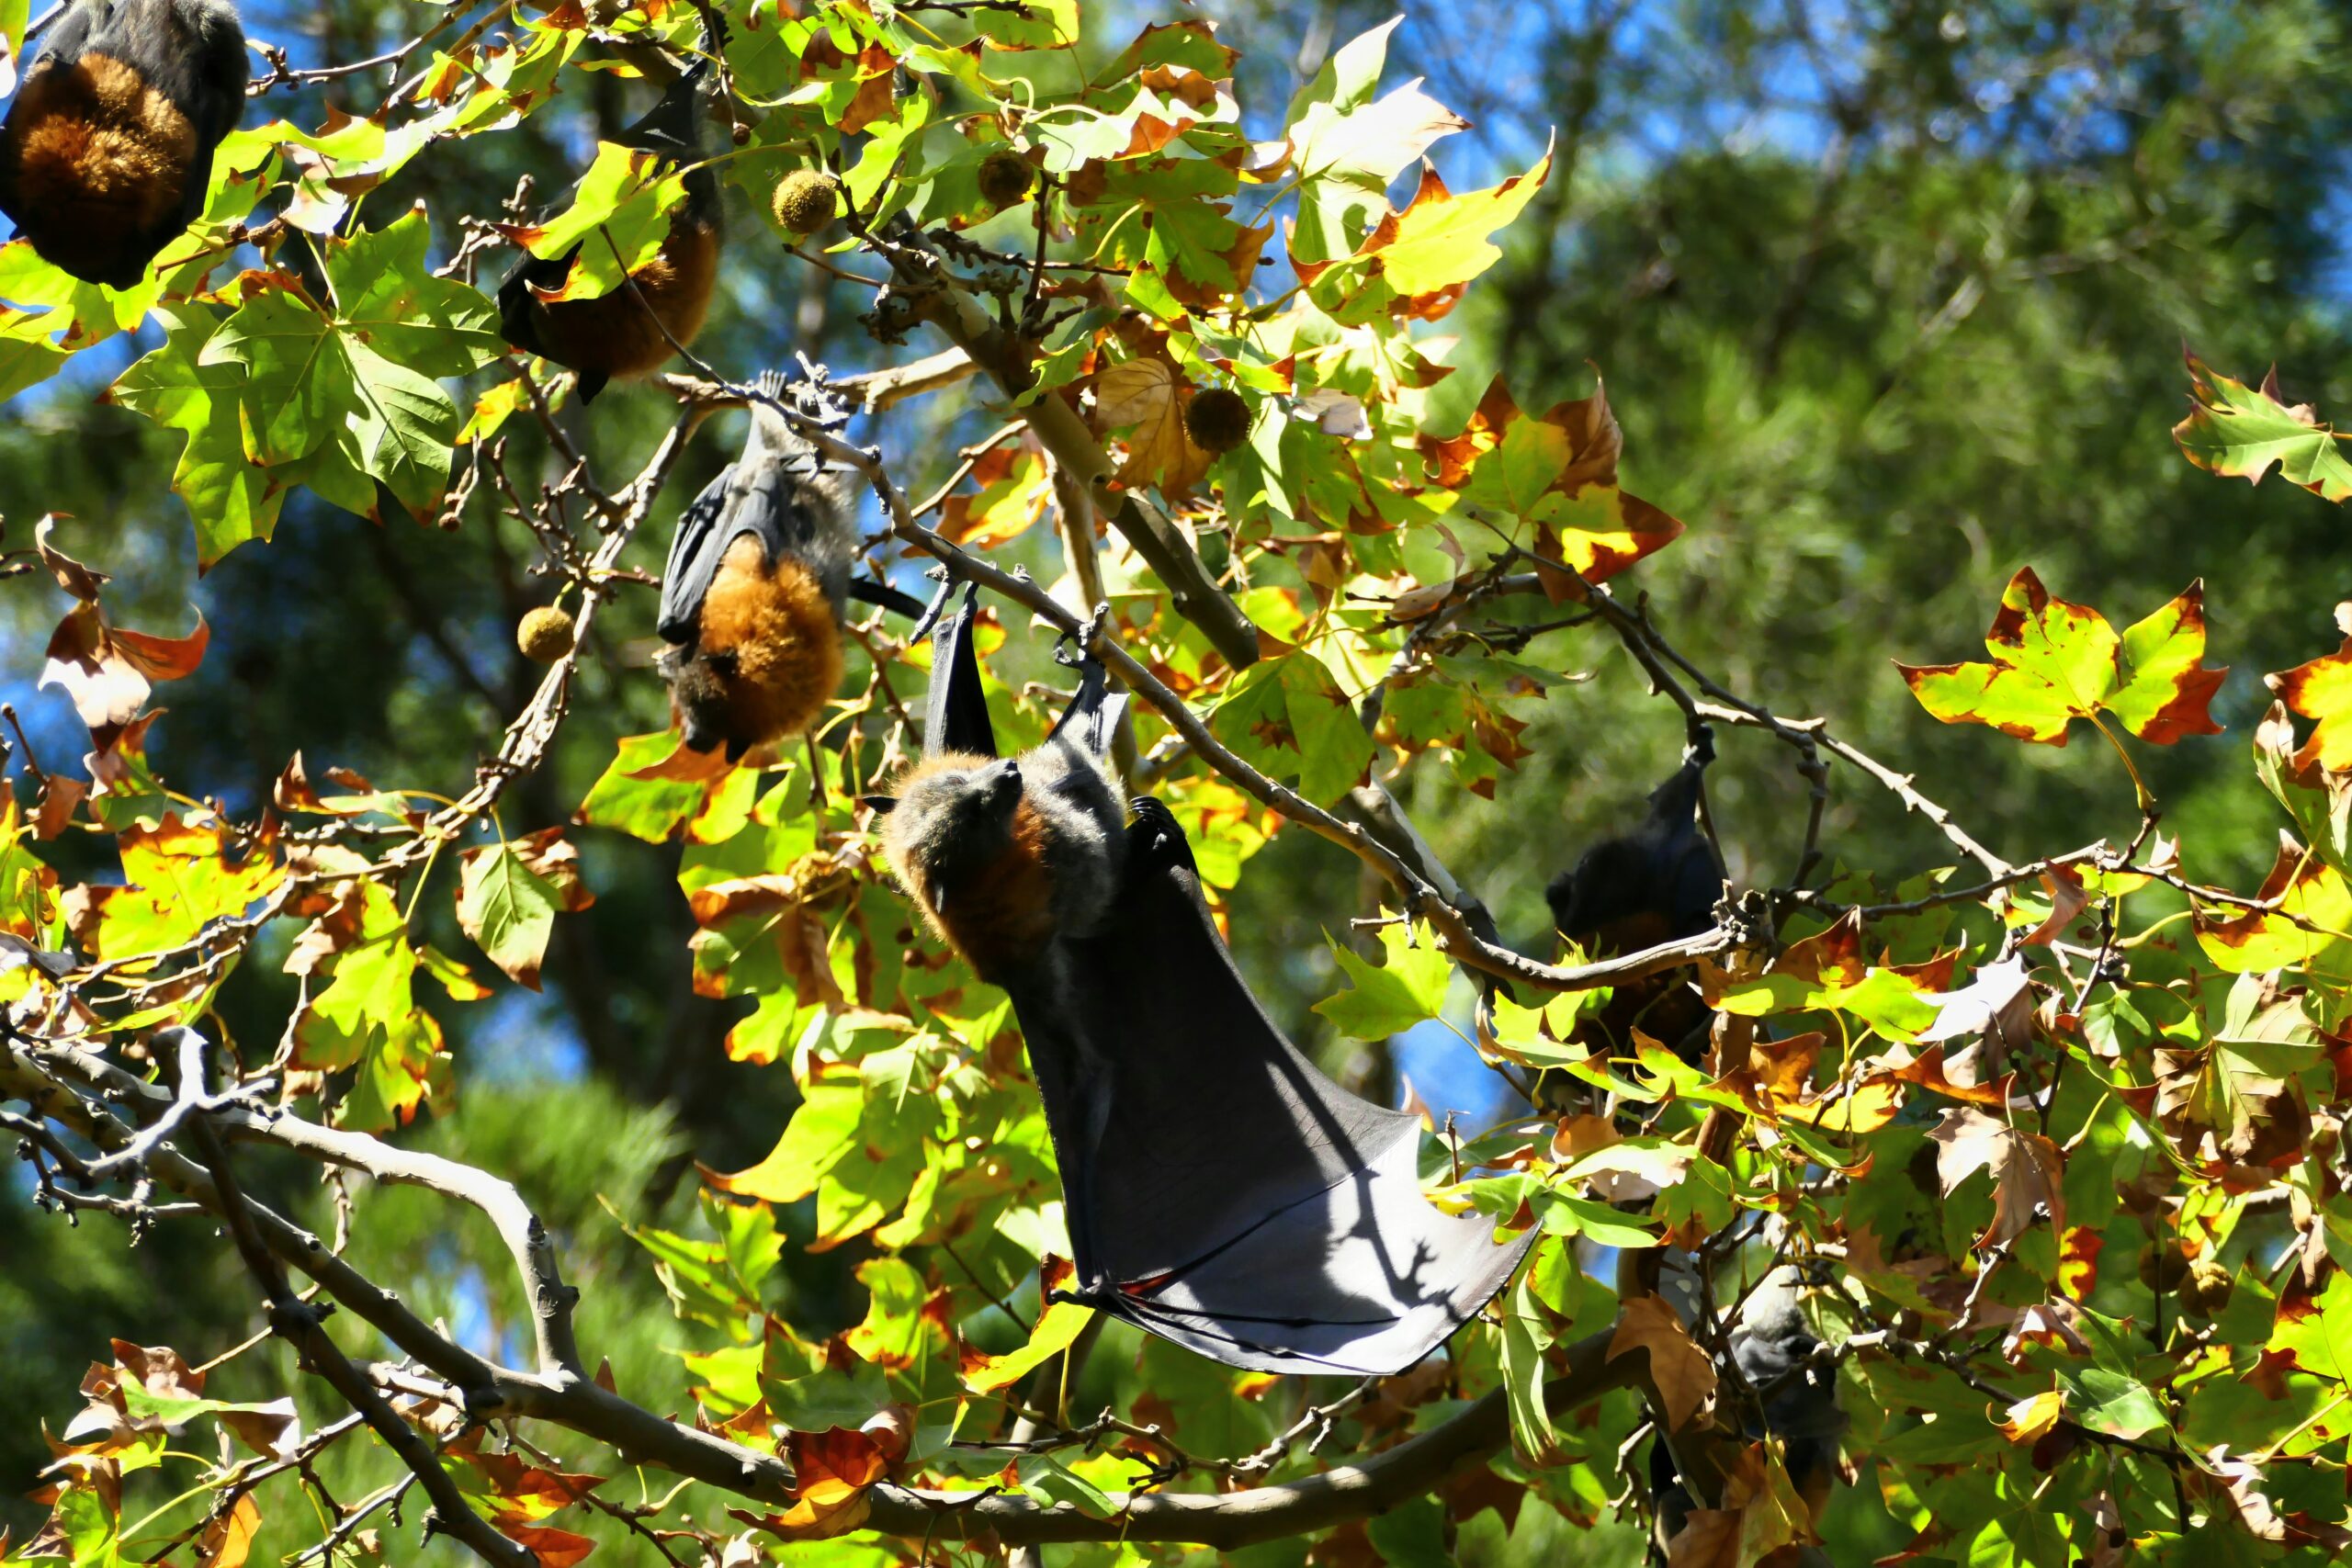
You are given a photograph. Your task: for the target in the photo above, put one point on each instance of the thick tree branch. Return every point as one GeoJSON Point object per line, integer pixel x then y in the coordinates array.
{"type": "Point", "coordinates": [299, 1325]}
{"type": "Point", "coordinates": [1231, 1520]}
{"type": "Point", "coordinates": [39, 1075]}
{"type": "Point", "coordinates": [1005, 356]}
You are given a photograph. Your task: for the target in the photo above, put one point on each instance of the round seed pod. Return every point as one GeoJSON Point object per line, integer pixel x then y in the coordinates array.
{"type": "Point", "coordinates": [2207, 1290]}
{"type": "Point", "coordinates": [545, 634]}
{"type": "Point", "coordinates": [1218, 419]}
{"type": "Point", "coordinates": [1005, 177]}
{"type": "Point", "coordinates": [805, 200]}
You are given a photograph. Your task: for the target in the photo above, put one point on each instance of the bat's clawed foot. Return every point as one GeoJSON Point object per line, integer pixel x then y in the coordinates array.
{"type": "Point", "coordinates": [1075, 647]}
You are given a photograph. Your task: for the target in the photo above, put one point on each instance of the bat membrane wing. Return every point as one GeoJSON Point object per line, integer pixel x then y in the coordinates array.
{"type": "Point", "coordinates": [1222, 1193]}
{"type": "Point", "coordinates": [695, 551]}
{"type": "Point", "coordinates": [1092, 720]}
{"type": "Point", "coordinates": [956, 716]}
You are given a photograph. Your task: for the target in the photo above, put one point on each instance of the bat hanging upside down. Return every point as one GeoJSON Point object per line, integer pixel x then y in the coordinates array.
{"type": "Point", "coordinates": [1005, 854]}
{"type": "Point", "coordinates": [659, 309]}
{"type": "Point", "coordinates": [1653, 885]}
{"type": "Point", "coordinates": [107, 153]}
{"type": "Point", "coordinates": [751, 600]}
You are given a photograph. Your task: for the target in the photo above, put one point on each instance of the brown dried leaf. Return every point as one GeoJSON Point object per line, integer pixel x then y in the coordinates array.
{"type": "Point", "coordinates": [1684, 1374]}
{"type": "Point", "coordinates": [60, 798]}
{"type": "Point", "coordinates": [2027, 1172]}
{"type": "Point", "coordinates": [1145, 396]}
{"type": "Point", "coordinates": [79, 580]}
{"type": "Point", "coordinates": [1761, 1514]}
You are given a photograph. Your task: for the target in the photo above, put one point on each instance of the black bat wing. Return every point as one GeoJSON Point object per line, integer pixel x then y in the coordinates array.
{"type": "Point", "coordinates": [1092, 720]}
{"type": "Point", "coordinates": [695, 552]}
{"type": "Point", "coordinates": [955, 716]}
{"type": "Point", "coordinates": [767, 507]}
{"type": "Point", "coordinates": [1222, 1193]}
{"type": "Point", "coordinates": [896, 600]}
{"type": "Point", "coordinates": [205, 82]}
{"type": "Point", "coordinates": [516, 321]}
{"type": "Point", "coordinates": [1690, 879]}
{"type": "Point", "coordinates": [673, 128]}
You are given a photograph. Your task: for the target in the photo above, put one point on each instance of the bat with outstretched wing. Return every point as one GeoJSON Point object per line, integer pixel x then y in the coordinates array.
{"type": "Point", "coordinates": [1221, 1191]}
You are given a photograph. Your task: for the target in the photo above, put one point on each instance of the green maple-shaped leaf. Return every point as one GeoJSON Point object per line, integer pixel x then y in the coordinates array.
{"type": "Point", "coordinates": [2306, 908]}
{"type": "Point", "coordinates": [1407, 987]}
{"type": "Point", "coordinates": [508, 910]}
{"type": "Point", "coordinates": [339, 395]}
{"type": "Point", "coordinates": [1416, 262]}
{"type": "Point", "coordinates": [2054, 663]}
{"type": "Point", "coordinates": [1036, 24]}
{"type": "Point", "coordinates": [2242, 432]}
{"type": "Point", "coordinates": [231, 500]}
{"type": "Point", "coordinates": [367, 1018]}
{"type": "Point", "coordinates": [1558, 471]}
{"type": "Point", "coordinates": [2313, 1333]}
{"type": "Point", "coordinates": [1288, 718]}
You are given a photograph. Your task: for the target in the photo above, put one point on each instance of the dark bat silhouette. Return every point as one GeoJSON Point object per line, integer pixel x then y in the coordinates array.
{"type": "Point", "coordinates": [632, 330]}
{"type": "Point", "coordinates": [1653, 885]}
{"type": "Point", "coordinates": [106, 152]}
{"type": "Point", "coordinates": [1222, 1193]}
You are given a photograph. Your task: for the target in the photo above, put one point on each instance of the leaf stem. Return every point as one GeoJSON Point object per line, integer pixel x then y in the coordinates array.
{"type": "Point", "coordinates": [2139, 785]}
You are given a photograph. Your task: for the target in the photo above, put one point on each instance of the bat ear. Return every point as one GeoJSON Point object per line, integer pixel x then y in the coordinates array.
{"type": "Point", "coordinates": [880, 805]}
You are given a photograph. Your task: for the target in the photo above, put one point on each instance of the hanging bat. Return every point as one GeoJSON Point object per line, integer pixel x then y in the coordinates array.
{"type": "Point", "coordinates": [106, 152]}
{"type": "Point", "coordinates": [1221, 1192]}
{"type": "Point", "coordinates": [1796, 1401]}
{"type": "Point", "coordinates": [659, 310]}
{"type": "Point", "coordinates": [1774, 1346]}
{"type": "Point", "coordinates": [1654, 885]}
{"type": "Point", "coordinates": [757, 580]}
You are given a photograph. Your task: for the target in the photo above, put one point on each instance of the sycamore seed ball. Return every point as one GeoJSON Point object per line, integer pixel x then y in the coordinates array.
{"type": "Point", "coordinates": [1217, 420]}
{"type": "Point", "coordinates": [2207, 1289]}
{"type": "Point", "coordinates": [804, 201]}
{"type": "Point", "coordinates": [545, 634]}
{"type": "Point", "coordinates": [1004, 177]}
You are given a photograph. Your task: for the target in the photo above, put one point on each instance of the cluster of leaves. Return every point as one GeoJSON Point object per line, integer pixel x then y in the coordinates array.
{"type": "Point", "coordinates": [2080, 1181]}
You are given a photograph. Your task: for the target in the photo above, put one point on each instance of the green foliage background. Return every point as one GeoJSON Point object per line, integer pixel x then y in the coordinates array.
{"type": "Point", "coordinates": [1889, 299]}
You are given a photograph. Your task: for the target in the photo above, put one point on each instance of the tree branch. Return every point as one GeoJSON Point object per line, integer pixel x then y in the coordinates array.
{"type": "Point", "coordinates": [1220, 1520]}
{"type": "Point", "coordinates": [1234, 1519]}
{"type": "Point", "coordinates": [299, 1325]}
{"type": "Point", "coordinates": [1004, 355]}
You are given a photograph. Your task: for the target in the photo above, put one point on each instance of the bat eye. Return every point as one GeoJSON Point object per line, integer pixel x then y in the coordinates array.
{"type": "Point", "coordinates": [723, 663]}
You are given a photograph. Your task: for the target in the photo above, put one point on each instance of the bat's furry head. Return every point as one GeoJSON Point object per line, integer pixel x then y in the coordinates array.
{"type": "Point", "coordinates": [699, 690]}
{"type": "Point", "coordinates": [953, 816]}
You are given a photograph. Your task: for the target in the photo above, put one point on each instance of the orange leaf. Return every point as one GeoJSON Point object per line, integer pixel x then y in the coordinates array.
{"type": "Point", "coordinates": [228, 1541]}
{"type": "Point", "coordinates": [2322, 690]}
{"type": "Point", "coordinates": [2028, 1418]}
{"type": "Point", "coordinates": [1014, 485]}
